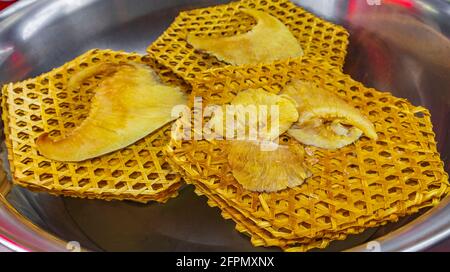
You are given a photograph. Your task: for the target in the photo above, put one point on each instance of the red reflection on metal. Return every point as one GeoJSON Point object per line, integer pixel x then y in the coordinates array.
{"type": "Point", "coordinates": [355, 5]}
{"type": "Point", "coordinates": [11, 244]}
{"type": "Point", "coordinates": [5, 3]}
{"type": "Point", "coordinates": [406, 3]}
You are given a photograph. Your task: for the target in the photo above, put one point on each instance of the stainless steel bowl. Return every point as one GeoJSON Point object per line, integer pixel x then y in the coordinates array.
{"type": "Point", "coordinates": [399, 45]}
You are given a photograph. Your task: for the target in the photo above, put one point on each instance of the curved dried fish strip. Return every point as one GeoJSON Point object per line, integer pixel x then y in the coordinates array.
{"type": "Point", "coordinates": [268, 41]}
{"type": "Point", "coordinates": [325, 120]}
{"type": "Point", "coordinates": [266, 114]}
{"type": "Point", "coordinates": [260, 170]}
{"type": "Point", "coordinates": [128, 105]}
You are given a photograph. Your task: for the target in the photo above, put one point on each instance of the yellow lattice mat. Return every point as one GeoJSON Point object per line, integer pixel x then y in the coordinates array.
{"type": "Point", "coordinates": [138, 172]}
{"type": "Point", "coordinates": [362, 185]}
{"type": "Point", "coordinates": [317, 37]}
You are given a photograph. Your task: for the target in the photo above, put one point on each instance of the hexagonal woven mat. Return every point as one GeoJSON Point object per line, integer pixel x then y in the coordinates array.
{"type": "Point", "coordinates": [138, 172]}
{"type": "Point", "coordinates": [316, 36]}
{"type": "Point", "coordinates": [363, 185]}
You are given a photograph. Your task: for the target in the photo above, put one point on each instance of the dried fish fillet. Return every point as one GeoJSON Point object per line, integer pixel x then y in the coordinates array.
{"type": "Point", "coordinates": [325, 120]}
{"type": "Point", "coordinates": [267, 171]}
{"type": "Point", "coordinates": [265, 114]}
{"type": "Point", "coordinates": [268, 41]}
{"type": "Point", "coordinates": [128, 104]}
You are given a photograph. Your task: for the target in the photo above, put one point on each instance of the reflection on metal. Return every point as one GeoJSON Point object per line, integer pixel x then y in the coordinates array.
{"type": "Point", "coordinates": [403, 48]}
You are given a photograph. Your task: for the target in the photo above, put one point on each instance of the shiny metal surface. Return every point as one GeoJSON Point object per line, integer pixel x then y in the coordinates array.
{"type": "Point", "coordinates": [400, 46]}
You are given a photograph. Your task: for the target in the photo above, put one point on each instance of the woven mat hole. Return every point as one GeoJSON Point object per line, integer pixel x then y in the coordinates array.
{"type": "Point", "coordinates": [50, 111]}
{"type": "Point", "coordinates": [412, 196]}
{"type": "Point", "coordinates": [62, 168]}
{"type": "Point", "coordinates": [401, 114]}
{"type": "Point", "coordinates": [369, 161]}
{"type": "Point", "coordinates": [32, 95]}
{"type": "Point", "coordinates": [23, 136]}
{"type": "Point", "coordinates": [374, 113]}
{"type": "Point", "coordinates": [102, 183]}
{"type": "Point", "coordinates": [353, 167]}
{"type": "Point", "coordinates": [382, 143]}
{"type": "Point", "coordinates": [27, 161]}
{"type": "Point", "coordinates": [429, 173]}
{"type": "Point", "coordinates": [138, 186]}
{"type": "Point", "coordinates": [404, 160]}
{"type": "Point", "coordinates": [378, 198]}
{"type": "Point", "coordinates": [302, 212]}
{"type": "Point", "coordinates": [408, 170]}
{"type": "Point", "coordinates": [357, 192]}
{"type": "Point", "coordinates": [61, 95]}
{"type": "Point", "coordinates": [304, 225]}
{"type": "Point", "coordinates": [385, 154]}
{"type": "Point", "coordinates": [31, 86]}
{"type": "Point", "coordinates": [117, 173]}
{"type": "Point", "coordinates": [28, 173]}
{"type": "Point", "coordinates": [112, 162]}
{"type": "Point", "coordinates": [419, 114]}
{"type": "Point", "coordinates": [153, 176]}
{"type": "Point", "coordinates": [44, 164]}
{"type": "Point", "coordinates": [340, 198]}
{"type": "Point", "coordinates": [63, 105]}
{"type": "Point", "coordinates": [336, 173]}
{"type": "Point", "coordinates": [394, 190]}
{"type": "Point", "coordinates": [25, 148]}
{"type": "Point", "coordinates": [165, 166]}
{"type": "Point", "coordinates": [81, 170]}
{"type": "Point", "coordinates": [18, 101]}
{"type": "Point", "coordinates": [371, 104]}
{"type": "Point", "coordinates": [281, 216]}
{"type": "Point", "coordinates": [52, 122]}
{"type": "Point", "coordinates": [392, 130]}
{"type": "Point", "coordinates": [171, 177]}
{"type": "Point", "coordinates": [83, 65]}
{"type": "Point", "coordinates": [322, 205]}
{"type": "Point", "coordinates": [21, 124]}
{"type": "Point", "coordinates": [148, 164]}
{"type": "Point", "coordinates": [120, 185]}
{"type": "Point", "coordinates": [396, 204]}
{"type": "Point", "coordinates": [45, 177]}
{"type": "Point", "coordinates": [69, 125]}
{"type": "Point", "coordinates": [392, 178]}
{"type": "Point", "coordinates": [59, 86]}
{"type": "Point", "coordinates": [131, 163]}
{"type": "Point", "coordinates": [35, 118]}
{"type": "Point", "coordinates": [37, 129]}
{"type": "Point", "coordinates": [20, 112]}
{"type": "Point", "coordinates": [18, 90]}
{"type": "Point", "coordinates": [338, 42]}
{"type": "Point", "coordinates": [144, 153]}
{"type": "Point", "coordinates": [65, 180]}
{"type": "Point", "coordinates": [360, 205]}
{"type": "Point", "coordinates": [135, 175]}
{"type": "Point", "coordinates": [157, 186]}
{"type": "Point", "coordinates": [99, 172]}
{"type": "Point", "coordinates": [372, 172]}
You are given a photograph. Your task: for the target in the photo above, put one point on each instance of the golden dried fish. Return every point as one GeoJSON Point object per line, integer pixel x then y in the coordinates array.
{"type": "Point", "coordinates": [260, 114]}
{"type": "Point", "coordinates": [326, 120]}
{"type": "Point", "coordinates": [267, 171]}
{"type": "Point", "coordinates": [268, 41]}
{"type": "Point", "coordinates": [128, 104]}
